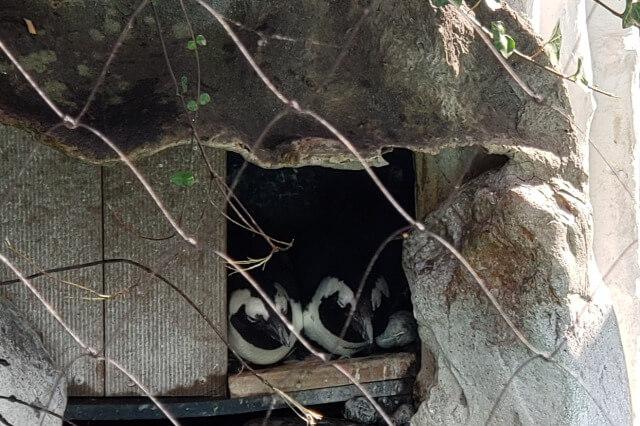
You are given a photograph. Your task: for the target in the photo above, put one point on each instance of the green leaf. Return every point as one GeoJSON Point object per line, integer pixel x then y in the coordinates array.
{"type": "Point", "coordinates": [183, 83]}
{"type": "Point", "coordinates": [579, 73]}
{"type": "Point", "coordinates": [204, 98]}
{"type": "Point", "coordinates": [201, 40]}
{"type": "Point", "coordinates": [631, 14]}
{"type": "Point", "coordinates": [553, 45]}
{"type": "Point", "coordinates": [183, 178]}
{"type": "Point", "coordinates": [502, 41]}
{"type": "Point", "coordinates": [192, 105]}
{"type": "Point", "coordinates": [191, 45]}
{"type": "Point", "coordinates": [584, 80]}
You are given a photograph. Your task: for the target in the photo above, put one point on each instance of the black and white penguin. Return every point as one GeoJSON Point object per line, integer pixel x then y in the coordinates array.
{"type": "Point", "coordinates": [401, 330]}
{"type": "Point", "coordinates": [393, 324]}
{"type": "Point", "coordinates": [256, 332]}
{"type": "Point", "coordinates": [327, 313]}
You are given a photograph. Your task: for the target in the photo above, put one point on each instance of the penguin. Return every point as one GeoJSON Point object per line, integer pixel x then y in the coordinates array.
{"type": "Point", "coordinates": [334, 253]}
{"type": "Point", "coordinates": [332, 257]}
{"type": "Point", "coordinates": [328, 311]}
{"type": "Point", "coordinates": [255, 331]}
{"type": "Point", "coordinates": [393, 324]}
{"type": "Point", "coordinates": [401, 330]}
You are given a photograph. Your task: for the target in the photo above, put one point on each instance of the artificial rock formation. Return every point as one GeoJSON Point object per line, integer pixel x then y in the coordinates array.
{"type": "Point", "coordinates": [530, 242]}
{"type": "Point", "coordinates": [26, 373]}
{"type": "Point", "coordinates": [415, 77]}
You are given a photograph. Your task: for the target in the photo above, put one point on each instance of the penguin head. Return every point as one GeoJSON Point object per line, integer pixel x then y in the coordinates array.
{"type": "Point", "coordinates": [281, 299]}
{"type": "Point", "coordinates": [253, 313]}
{"type": "Point", "coordinates": [379, 292]}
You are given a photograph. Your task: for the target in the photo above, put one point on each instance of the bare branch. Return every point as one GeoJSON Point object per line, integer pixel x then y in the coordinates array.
{"type": "Point", "coordinates": [609, 9]}
{"type": "Point", "coordinates": [480, 31]}
{"type": "Point", "coordinates": [503, 392]}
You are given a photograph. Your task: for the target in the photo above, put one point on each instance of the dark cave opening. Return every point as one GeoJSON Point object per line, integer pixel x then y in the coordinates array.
{"type": "Point", "coordinates": [335, 219]}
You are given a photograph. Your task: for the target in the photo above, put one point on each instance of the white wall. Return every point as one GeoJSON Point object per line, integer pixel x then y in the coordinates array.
{"type": "Point", "coordinates": [612, 62]}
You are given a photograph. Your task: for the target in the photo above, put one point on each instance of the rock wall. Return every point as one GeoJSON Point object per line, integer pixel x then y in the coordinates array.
{"type": "Point", "coordinates": [26, 373]}
{"type": "Point", "coordinates": [530, 241]}
{"type": "Point", "coordinates": [611, 60]}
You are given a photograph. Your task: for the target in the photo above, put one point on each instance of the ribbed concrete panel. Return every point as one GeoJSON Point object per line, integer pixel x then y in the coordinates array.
{"type": "Point", "coordinates": [50, 211]}
{"type": "Point", "coordinates": [150, 329]}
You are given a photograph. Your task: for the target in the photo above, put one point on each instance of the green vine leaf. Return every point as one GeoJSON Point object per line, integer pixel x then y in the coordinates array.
{"type": "Point", "coordinates": [191, 45]}
{"type": "Point", "coordinates": [631, 14]}
{"type": "Point", "coordinates": [192, 105]}
{"type": "Point", "coordinates": [584, 80]}
{"type": "Point", "coordinates": [501, 40]}
{"type": "Point", "coordinates": [553, 46]}
{"type": "Point", "coordinates": [579, 76]}
{"type": "Point", "coordinates": [183, 178]}
{"type": "Point", "coordinates": [184, 81]}
{"type": "Point", "coordinates": [204, 98]}
{"type": "Point", "coordinates": [201, 40]}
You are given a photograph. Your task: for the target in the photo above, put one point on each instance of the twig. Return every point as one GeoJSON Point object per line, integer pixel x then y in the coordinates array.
{"type": "Point", "coordinates": [195, 51]}
{"type": "Point", "coordinates": [183, 295]}
{"type": "Point", "coordinates": [496, 403]}
{"type": "Point", "coordinates": [586, 389]}
{"type": "Point", "coordinates": [61, 374]}
{"type": "Point", "coordinates": [609, 9]}
{"type": "Point", "coordinates": [32, 82]}
{"type": "Point", "coordinates": [230, 198]}
{"type": "Point", "coordinates": [72, 124]}
{"type": "Point", "coordinates": [366, 274]}
{"type": "Point", "coordinates": [559, 74]}
{"type": "Point", "coordinates": [480, 31]}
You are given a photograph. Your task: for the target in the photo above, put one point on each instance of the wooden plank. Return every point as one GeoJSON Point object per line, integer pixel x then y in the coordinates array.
{"type": "Point", "coordinates": [52, 214]}
{"type": "Point", "coordinates": [150, 330]}
{"type": "Point", "coordinates": [316, 374]}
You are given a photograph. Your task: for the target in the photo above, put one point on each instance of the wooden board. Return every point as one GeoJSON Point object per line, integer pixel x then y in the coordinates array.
{"type": "Point", "coordinates": [150, 330]}
{"type": "Point", "coordinates": [316, 374]}
{"type": "Point", "coordinates": [52, 214]}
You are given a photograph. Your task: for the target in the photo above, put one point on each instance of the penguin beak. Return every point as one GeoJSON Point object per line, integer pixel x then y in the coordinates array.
{"type": "Point", "coordinates": [278, 331]}
{"type": "Point", "coordinates": [362, 323]}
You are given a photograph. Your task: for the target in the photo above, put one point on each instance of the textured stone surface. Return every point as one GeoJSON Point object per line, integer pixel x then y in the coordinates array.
{"type": "Point", "coordinates": [611, 57]}
{"type": "Point", "coordinates": [26, 372]}
{"type": "Point", "coordinates": [415, 76]}
{"type": "Point", "coordinates": [360, 410]}
{"type": "Point", "coordinates": [402, 416]}
{"type": "Point", "coordinates": [530, 241]}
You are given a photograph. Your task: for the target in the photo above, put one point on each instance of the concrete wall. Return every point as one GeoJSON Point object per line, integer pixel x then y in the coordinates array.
{"type": "Point", "coordinates": [612, 62]}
